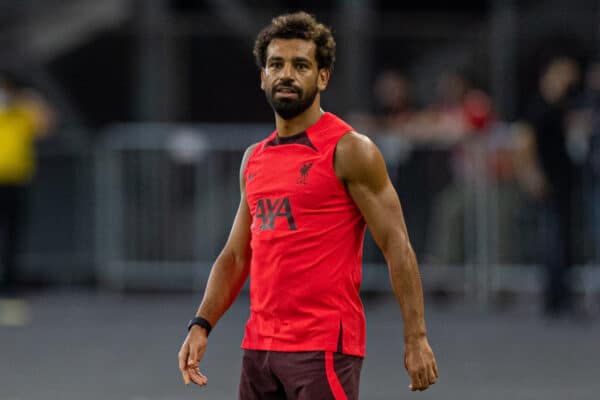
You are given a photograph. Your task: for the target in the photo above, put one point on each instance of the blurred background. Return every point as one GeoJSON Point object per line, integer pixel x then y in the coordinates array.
{"type": "Point", "coordinates": [122, 126]}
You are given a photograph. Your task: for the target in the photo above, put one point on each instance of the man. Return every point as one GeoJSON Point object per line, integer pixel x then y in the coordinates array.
{"type": "Point", "coordinates": [306, 193]}
{"type": "Point", "coordinates": [23, 116]}
{"type": "Point", "coordinates": [545, 171]}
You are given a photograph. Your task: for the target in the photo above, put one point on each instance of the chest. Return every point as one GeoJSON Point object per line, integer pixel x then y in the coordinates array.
{"type": "Point", "coordinates": [14, 126]}
{"type": "Point", "coordinates": [287, 177]}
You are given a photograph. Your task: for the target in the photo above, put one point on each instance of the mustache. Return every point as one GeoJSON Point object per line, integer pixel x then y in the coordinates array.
{"type": "Point", "coordinates": [286, 85]}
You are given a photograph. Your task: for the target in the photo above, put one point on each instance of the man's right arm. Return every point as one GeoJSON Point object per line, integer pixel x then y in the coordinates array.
{"type": "Point", "coordinates": [225, 281]}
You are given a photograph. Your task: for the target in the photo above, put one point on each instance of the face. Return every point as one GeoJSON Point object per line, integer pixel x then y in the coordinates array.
{"type": "Point", "coordinates": [391, 90]}
{"type": "Point", "coordinates": [291, 78]}
{"type": "Point", "coordinates": [562, 75]}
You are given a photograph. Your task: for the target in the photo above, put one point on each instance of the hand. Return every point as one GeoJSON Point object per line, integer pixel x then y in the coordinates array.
{"type": "Point", "coordinates": [420, 363]}
{"type": "Point", "coordinates": [191, 353]}
{"type": "Point", "coordinates": [537, 185]}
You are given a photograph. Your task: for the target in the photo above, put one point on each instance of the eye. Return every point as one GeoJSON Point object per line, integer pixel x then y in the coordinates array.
{"type": "Point", "coordinates": [275, 65]}
{"type": "Point", "coordinates": [302, 67]}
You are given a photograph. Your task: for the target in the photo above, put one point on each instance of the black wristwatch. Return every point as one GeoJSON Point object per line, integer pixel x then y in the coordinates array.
{"type": "Point", "coordinates": [200, 322]}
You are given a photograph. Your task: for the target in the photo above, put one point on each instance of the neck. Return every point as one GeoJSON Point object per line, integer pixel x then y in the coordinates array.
{"type": "Point", "coordinates": [289, 127]}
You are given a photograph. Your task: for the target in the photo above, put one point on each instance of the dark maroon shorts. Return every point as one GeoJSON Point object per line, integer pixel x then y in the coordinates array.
{"type": "Point", "coordinates": [311, 375]}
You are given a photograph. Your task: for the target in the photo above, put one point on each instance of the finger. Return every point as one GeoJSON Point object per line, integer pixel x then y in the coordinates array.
{"type": "Point", "coordinates": [432, 375]}
{"type": "Point", "coordinates": [422, 380]}
{"type": "Point", "coordinates": [198, 377]}
{"type": "Point", "coordinates": [195, 373]}
{"type": "Point", "coordinates": [183, 367]}
{"type": "Point", "coordinates": [414, 387]}
{"type": "Point", "coordinates": [415, 383]}
{"type": "Point", "coordinates": [435, 369]}
{"type": "Point", "coordinates": [414, 377]}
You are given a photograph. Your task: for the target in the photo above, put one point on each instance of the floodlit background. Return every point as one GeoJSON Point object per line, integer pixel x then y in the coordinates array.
{"type": "Point", "coordinates": [146, 108]}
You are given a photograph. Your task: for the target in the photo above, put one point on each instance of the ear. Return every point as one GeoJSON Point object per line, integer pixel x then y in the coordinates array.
{"type": "Point", "coordinates": [263, 78]}
{"type": "Point", "coordinates": [323, 79]}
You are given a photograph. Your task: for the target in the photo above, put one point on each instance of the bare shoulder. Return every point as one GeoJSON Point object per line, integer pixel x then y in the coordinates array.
{"type": "Point", "coordinates": [357, 158]}
{"type": "Point", "coordinates": [245, 159]}
{"type": "Point", "coordinates": [248, 153]}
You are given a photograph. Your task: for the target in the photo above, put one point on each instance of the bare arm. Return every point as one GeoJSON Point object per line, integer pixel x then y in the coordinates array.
{"type": "Point", "coordinates": [231, 267]}
{"type": "Point", "coordinates": [525, 157]}
{"type": "Point", "coordinates": [360, 165]}
{"type": "Point", "coordinates": [225, 281]}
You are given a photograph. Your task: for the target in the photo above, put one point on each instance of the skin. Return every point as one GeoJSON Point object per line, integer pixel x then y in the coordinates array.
{"type": "Point", "coordinates": [361, 167]}
{"type": "Point", "coordinates": [41, 113]}
{"type": "Point", "coordinates": [294, 59]}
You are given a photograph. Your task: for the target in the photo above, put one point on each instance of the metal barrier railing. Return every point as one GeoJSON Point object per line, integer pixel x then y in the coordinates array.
{"type": "Point", "coordinates": [167, 194]}
{"type": "Point", "coordinates": [56, 234]}
{"type": "Point", "coordinates": [166, 199]}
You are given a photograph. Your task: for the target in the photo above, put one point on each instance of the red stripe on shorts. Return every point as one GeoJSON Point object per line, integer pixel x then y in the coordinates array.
{"type": "Point", "coordinates": [334, 383]}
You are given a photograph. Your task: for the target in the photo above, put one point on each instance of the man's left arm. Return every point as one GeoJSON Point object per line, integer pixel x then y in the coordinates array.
{"type": "Point", "coordinates": [360, 165]}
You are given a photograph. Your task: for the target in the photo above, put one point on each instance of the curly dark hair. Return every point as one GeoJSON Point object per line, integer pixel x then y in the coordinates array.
{"type": "Point", "coordinates": [299, 25]}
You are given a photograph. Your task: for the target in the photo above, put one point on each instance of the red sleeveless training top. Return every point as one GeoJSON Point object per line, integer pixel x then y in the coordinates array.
{"type": "Point", "coordinates": [307, 243]}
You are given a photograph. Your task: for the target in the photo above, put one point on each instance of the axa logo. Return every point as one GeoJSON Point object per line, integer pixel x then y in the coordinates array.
{"type": "Point", "coordinates": [304, 173]}
{"type": "Point", "coordinates": [268, 210]}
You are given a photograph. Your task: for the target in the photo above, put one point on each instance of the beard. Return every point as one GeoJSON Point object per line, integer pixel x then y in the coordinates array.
{"type": "Point", "coordinates": [288, 108]}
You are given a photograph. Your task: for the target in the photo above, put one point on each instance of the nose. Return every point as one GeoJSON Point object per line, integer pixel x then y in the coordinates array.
{"type": "Point", "coordinates": [287, 71]}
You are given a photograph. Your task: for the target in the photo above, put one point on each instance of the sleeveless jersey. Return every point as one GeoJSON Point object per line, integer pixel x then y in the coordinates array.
{"type": "Point", "coordinates": [307, 241]}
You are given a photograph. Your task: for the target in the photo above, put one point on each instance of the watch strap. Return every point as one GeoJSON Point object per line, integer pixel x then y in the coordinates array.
{"type": "Point", "coordinates": [202, 322]}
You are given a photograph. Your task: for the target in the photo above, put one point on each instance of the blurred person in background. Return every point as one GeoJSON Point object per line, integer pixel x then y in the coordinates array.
{"type": "Point", "coordinates": [594, 155]}
{"type": "Point", "coordinates": [584, 141]}
{"type": "Point", "coordinates": [393, 106]}
{"type": "Point", "coordinates": [457, 118]}
{"type": "Point", "coordinates": [545, 171]}
{"type": "Point", "coordinates": [394, 103]}
{"type": "Point", "coordinates": [307, 193]}
{"type": "Point", "coordinates": [457, 110]}
{"type": "Point", "coordinates": [24, 117]}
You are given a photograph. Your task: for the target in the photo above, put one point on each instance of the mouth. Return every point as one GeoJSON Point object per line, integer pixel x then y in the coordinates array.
{"type": "Point", "coordinates": [286, 92]}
